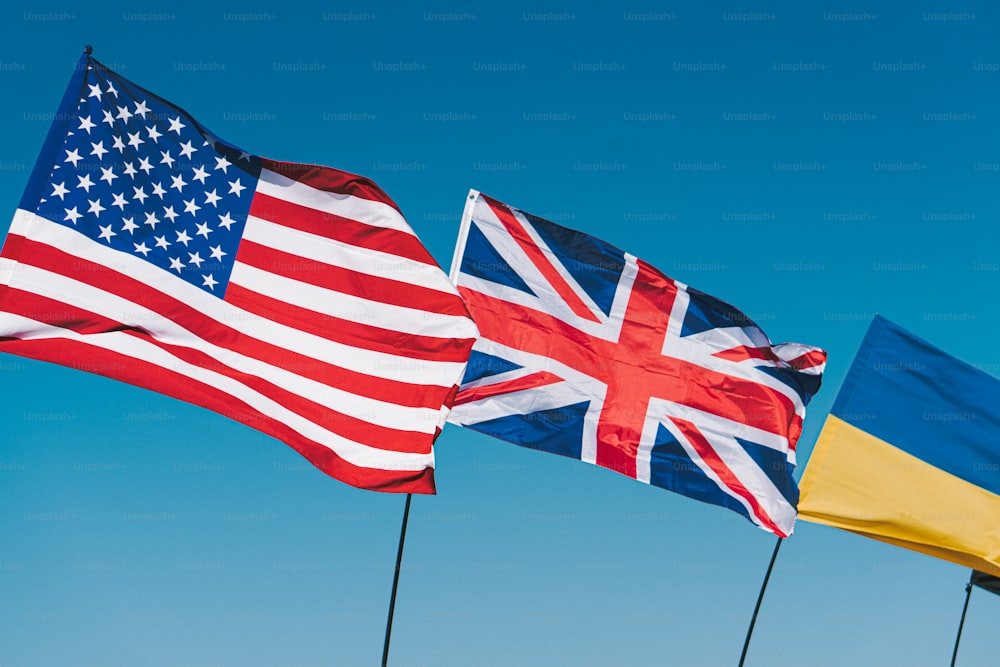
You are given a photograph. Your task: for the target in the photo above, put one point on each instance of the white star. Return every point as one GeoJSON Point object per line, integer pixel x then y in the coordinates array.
{"type": "Point", "coordinates": [111, 89]}
{"type": "Point", "coordinates": [176, 125]}
{"type": "Point", "coordinates": [235, 187]}
{"type": "Point", "coordinates": [226, 221]}
{"type": "Point", "coordinates": [217, 252]}
{"type": "Point", "coordinates": [72, 215]}
{"type": "Point", "coordinates": [141, 109]}
{"type": "Point", "coordinates": [182, 237]}
{"type": "Point", "coordinates": [95, 207]}
{"type": "Point", "coordinates": [99, 149]}
{"type": "Point", "coordinates": [73, 156]}
{"type": "Point", "coordinates": [108, 174]}
{"type": "Point", "coordinates": [106, 233]}
{"type": "Point", "coordinates": [176, 264]}
{"type": "Point", "coordinates": [152, 220]}
{"type": "Point", "coordinates": [85, 182]}
{"type": "Point", "coordinates": [119, 201]}
{"type": "Point", "coordinates": [190, 206]}
{"type": "Point", "coordinates": [140, 194]}
{"type": "Point", "coordinates": [195, 259]}
{"type": "Point", "coordinates": [162, 242]}
{"type": "Point", "coordinates": [211, 198]}
{"type": "Point", "coordinates": [95, 91]}
{"type": "Point", "coordinates": [167, 160]}
{"type": "Point", "coordinates": [200, 174]}
{"type": "Point", "coordinates": [203, 229]}
{"type": "Point", "coordinates": [145, 165]}
{"type": "Point", "coordinates": [141, 247]}
{"type": "Point", "coordinates": [134, 140]}
{"type": "Point", "coordinates": [108, 118]}
{"type": "Point", "coordinates": [178, 182]}
{"type": "Point", "coordinates": [59, 190]}
{"type": "Point", "coordinates": [222, 163]}
{"type": "Point", "coordinates": [154, 134]}
{"type": "Point", "coordinates": [169, 214]}
{"type": "Point", "coordinates": [124, 114]}
{"type": "Point", "coordinates": [129, 225]}
{"type": "Point", "coordinates": [209, 282]}
{"type": "Point", "coordinates": [119, 144]}
{"type": "Point", "coordinates": [244, 156]}
{"type": "Point", "coordinates": [86, 124]}
{"type": "Point", "coordinates": [158, 190]}
{"type": "Point", "coordinates": [187, 149]}
{"type": "Point", "coordinates": [130, 170]}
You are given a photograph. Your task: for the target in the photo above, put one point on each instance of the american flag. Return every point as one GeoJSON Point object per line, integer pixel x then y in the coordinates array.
{"type": "Point", "coordinates": [588, 352]}
{"type": "Point", "coordinates": [293, 298]}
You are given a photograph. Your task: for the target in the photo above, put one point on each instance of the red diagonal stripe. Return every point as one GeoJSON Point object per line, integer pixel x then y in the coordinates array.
{"type": "Point", "coordinates": [541, 262]}
{"type": "Point", "coordinates": [718, 466]}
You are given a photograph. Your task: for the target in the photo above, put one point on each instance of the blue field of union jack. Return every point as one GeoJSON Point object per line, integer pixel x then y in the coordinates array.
{"type": "Point", "coordinates": [588, 352]}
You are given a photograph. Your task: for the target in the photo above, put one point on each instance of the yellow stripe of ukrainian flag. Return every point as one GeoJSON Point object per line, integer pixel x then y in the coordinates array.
{"type": "Point", "coordinates": [877, 490]}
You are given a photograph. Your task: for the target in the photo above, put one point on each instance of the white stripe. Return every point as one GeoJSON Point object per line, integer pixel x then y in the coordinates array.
{"type": "Point", "coordinates": [137, 348]}
{"type": "Point", "coordinates": [369, 362]}
{"type": "Point", "coordinates": [347, 306]}
{"type": "Point", "coordinates": [60, 288]}
{"type": "Point", "coordinates": [337, 253]}
{"type": "Point", "coordinates": [370, 212]}
{"type": "Point", "coordinates": [644, 453]}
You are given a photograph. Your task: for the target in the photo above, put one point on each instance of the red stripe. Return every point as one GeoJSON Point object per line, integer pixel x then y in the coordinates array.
{"type": "Point", "coordinates": [541, 262]}
{"type": "Point", "coordinates": [399, 344]}
{"type": "Point", "coordinates": [347, 281]}
{"type": "Point", "coordinates": [533, 381]}
{"type": "Point", "coordinates": [330, 180]}
{"type": "Point", "coordinates": [177, 385]}
{"type": "Point", "coordinates": [401, 393]}
{"type": "Point", "coordinates": [85, 322]}
{"type": "Point", "coordinates": [732, 482]}
{"type": "Point", "coordinates": [345, 230]}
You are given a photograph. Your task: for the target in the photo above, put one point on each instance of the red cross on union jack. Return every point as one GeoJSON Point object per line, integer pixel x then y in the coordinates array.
{"type": "Point", "coordinates": [588, 352]}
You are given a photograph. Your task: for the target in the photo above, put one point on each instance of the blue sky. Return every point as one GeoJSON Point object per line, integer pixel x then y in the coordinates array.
{"type": "Point", "coordinates": [812, 165]}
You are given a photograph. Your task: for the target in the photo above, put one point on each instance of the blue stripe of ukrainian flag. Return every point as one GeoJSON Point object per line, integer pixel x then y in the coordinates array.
{"type": "Point", "coordinates": [910, 454]}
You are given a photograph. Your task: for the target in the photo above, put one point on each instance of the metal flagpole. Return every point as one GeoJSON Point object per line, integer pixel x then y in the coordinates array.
{"type": "Point", "coordinates": [760, 596]}
{"type": "Point", "coordinates": [395, 582]}
{"type": "Point", "coordinates": [958, 637]}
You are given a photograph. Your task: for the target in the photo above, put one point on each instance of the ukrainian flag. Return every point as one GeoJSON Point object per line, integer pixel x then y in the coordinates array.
{"type": "Point", "coordinates": [910, 453]}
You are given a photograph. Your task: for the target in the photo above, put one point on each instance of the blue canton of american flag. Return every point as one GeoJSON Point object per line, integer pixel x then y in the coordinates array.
{"type": "Point", "coordinates": [293, 298]}
{"type": "Point", "coordinates": [588, 352]}
{"type": "Point", "coordinates": [141, 176]}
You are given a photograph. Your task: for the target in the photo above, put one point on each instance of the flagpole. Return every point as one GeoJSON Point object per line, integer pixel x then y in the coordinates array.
{"type": "Point", "coordinates": [760, 596]}
{"type": "Point", "coordinates": [395, 582]}
{"type": "Point", "coordinates": [958, 637]}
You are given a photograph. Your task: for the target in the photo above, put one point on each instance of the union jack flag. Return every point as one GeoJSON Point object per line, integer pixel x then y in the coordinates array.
{"type": "Point", "coordinates": [588, 352]}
